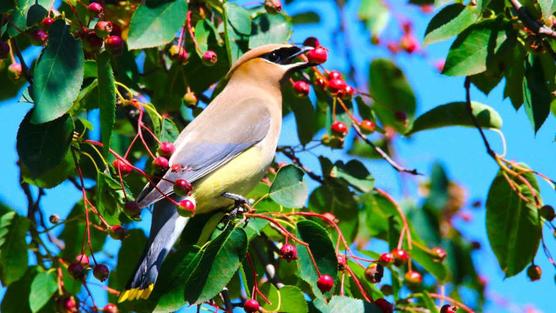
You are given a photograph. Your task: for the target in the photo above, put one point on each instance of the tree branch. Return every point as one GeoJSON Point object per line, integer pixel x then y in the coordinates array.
{"type": "Point", "coordinates": [290, 154]}
{"type": "Point", "coordinates": [534, 25]}
{"type": "Point", "coordinates": [268, 263]}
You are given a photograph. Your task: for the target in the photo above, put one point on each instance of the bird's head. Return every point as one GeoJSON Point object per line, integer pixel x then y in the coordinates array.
{"type": "Point", "coordinates": [269, 62]}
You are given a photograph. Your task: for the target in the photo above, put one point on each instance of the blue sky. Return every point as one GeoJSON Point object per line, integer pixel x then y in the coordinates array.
{"type": "Point", "coordinates": [459, 149]}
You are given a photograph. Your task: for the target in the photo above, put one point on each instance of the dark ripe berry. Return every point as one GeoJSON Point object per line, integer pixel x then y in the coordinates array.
{"type": "Point", "coordinates": [439, 254]}
{"type": "Point", "coordinates": [317, 55]}
{"type": "Point", "coordinates": [210, 58]}
{"type": "Point", "coordinates": [166, 149]}
{"type": "Point", "coordinates": [251, 306]}
{"type": "Point", "coordinates": [288, 252]}
{"type": "Point", "coordinates": [181, 55]}
{"type": "Point", "coordinates": [116, 30]}
{"type": "Point", "coordinates": [68, 305]}
{"type": "Point", "coordinates": [40, 36]}
{"type": "Point", "coordinates": [83, 259]}
{"type": "Point", "coordinates": [534, 272]}
{"type": "Point", "coordinates": [160, 163]}
{"type": "Point", "coordinates": [47, 21]}
{"type": "Point", "coordinates": [190, 99]}
{"type": "Point", "coordinates": [101, 272]}
{"type": "Point", "coordinates": [118, 232]}
{"type": "Point", "coordinates": [76, 270]}
{"type": "Point", "coordinates": [375, 40]}
{"type": "Point", "coordinates": [401, 116]}
{"type": "Point", "coordinates": [400, 256]}
{"type": "Point", "coordinates": [103, 28]}
{"type": "Point", "coordinates": [386, 290]}
{"type": "Point", "coordinates": [409, 43]}
{"type": "Point", "coordinates": [114, 43]}
{"type": "Point", "coordinates": [346, 93]}
{"type": "Point", "coordinates": [301, 88]}
{"type": "Point", "coordinates": [374, 273]}
{"type": "Point", "coordinates": [91, 40]}
{"type": "Point", "coordinates": [342, 262]}
{"type": "Point", "coordinates": [110, 308]}
{"type": "Point", "coordinates": [132, 208]}
{"type": "Point", "coordinates": [393, 47]}
{"type": "Point", "coordinates": [182, 187]}
{"type": "Point", "coordinates": [95, 8]}
{"type": "Point", "coordinates": [325, 283]}
{"type": "Point", "coordinates": [54, 219]}
{"type": "Point", "coordinates": [339, 128]}
{"type": "Point", "coordinates": [186, 207]}
{"type": "Point", "coordinates": [122, 166]}
{"type": "Point", "coordinates": [336, 85]}
{"type": "Point", "coordinates": [334, 75]}
{"type": "Point", "coordinates": [385, 306]}
{"type": "Point", "coordinates": [386, 258]}
{"type": "Point", "coordinates": [4, 49]}
{"type": "Point", "coordinates": [367, 126]}
{"type": "Point", "coordinates": [547, 211]}
{"type": "Point", "coordinates": [447, 308]}
{"type": "Point", "coordinates": [413, 278]}
{"type": "Point", "coordinates": [311, 42]}
{"type": "Point", "coordinates": [273, 6]}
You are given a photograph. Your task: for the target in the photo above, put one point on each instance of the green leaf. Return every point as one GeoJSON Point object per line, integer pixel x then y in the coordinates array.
{"type": "Point", "coordinates": [14, 300]}
{"type": "Point", "coordinates": [515, 74]}
{"type": "Point", "coordinates": [323, 251]}
{"type": "Point", "coordinates": [267, 28]}
{"type": "Point", "coordinates": [304, 113]}
{"type": "Point", "coordinates": [375, 14]}
{"type": "Point", "coordinates": [238, 17]}
{"type": "Point", "coordinates": [303, 18]}
{"type": "Point", "coordinates": [73, 231]}
{"type": "Point", "coordinates": [469, 53]}
{"type": "Point", "coordinates": [35, 14]}
{"type": "Point", "coordinates": [342, 304]}
{"type": "Point", "coordinates": [168, 131]}
{"type": "Point", "coordinates": [456, 114]}
{"type": "Point", "coordinates": [513, 225]}
{"type": "Point", "coordinates": [546, 8]}
{"type": "Point", "coordinates": [156, 23]}
{"type": "Point", "coordinates": [42, 147]}
{"type": "Point", "coordinates": [537, 91]}
{"type": "Point", "coordinates": [378, 209]}
{"type": "Point", "coordinates": [53, 176]}
{"type": "Point", "coordinates": [10, 88]}
{"type": "Point", "coordinates": [204, 34]}
{"type": "Point", "coordinates": [43, 287]}
{"type": "Point", "coordinates": [355, 174]}
{"type": "Point", "coordinates": [450, 21]}
{"type": "Point", "coordinates": [106, 100]}
{"type": "Point", "coordinates": [58, 74]}
{"type": "Point", "coordinates": [288, 299]}
{"type": "Point", "coordinates": [288, 188]}
{"type": "Point", "coordinates": [392, 93]}
{"type": "Point", "coordinates": [219, 263]}
{"type": "Point", "coordinates": [13, 247]}
{"type": "Point", "coordinates": [18, 22]}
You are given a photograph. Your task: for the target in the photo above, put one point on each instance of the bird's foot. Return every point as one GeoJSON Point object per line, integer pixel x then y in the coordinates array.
{"type": "Point", "coordinates": [241, 205]}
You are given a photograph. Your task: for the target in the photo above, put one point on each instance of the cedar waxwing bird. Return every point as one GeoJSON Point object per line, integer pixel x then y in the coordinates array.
{"type": "Point", "coordinates": [226, 150]}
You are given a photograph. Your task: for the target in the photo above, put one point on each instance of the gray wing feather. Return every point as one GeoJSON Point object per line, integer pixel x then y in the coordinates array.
{"type": "Point", "coordinates": [214, 138]}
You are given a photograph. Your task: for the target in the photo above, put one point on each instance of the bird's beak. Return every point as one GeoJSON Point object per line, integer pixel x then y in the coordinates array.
{"type": "Point", "coordinates": [296, 52]}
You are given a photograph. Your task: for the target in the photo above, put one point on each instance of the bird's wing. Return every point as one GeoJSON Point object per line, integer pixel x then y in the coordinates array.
{"type": "Point", "coordinates": [215, 137]}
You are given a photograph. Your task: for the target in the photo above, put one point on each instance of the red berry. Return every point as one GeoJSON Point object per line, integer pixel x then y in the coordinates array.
{"type": "Point", "coordinates": [181, 55]}
{"type": "Point", "coordinates": [83, 259]}
{"type": "Point", "coordinates": [393, 47]}
{"type": "Point", "coordinates": [367, 126]}
{"type": "Point", "coordinates": [413, 278]}
{"type": "Point", "coordinates": [311, 42]}
{"type": "Point", "coordinates": [103, 28]}
{"type": "Point", "coordinates": [182, 187]}
{"type": "Point", "coordinates": [210, 58]}
{"type": "Point", "coordinates": [409, 43]}
{"type": "Point", "coordinates": [160, 163]}
{"type": "Point", "coordinates": [186, 207]}
{"type": "Point", "coordinates": [427, 8]}
{"type": "Point", "coordinates": [114, 43]}
{"type": "Point", "coordinates": [47, 21]}
{"type": "Point", "coordinates": [385, 306]}
{"type": "Point", "coordinates": [334, 75]}
{"type": "Point", "coordinates": [321, 82]}
{"type": "Point", "coordinates": [118, 232]}
{"type": "Point", "coordinates": [407, 27]}
{"type": "Point", "coordinates": [122, 166]}
{"type": "Point", "coordinates": [336, 85]}
{"type": "Point", "coordinates": [317, 55]}
{"type": "Point", "coordinates": [439, 254]}
{"type": "Point", "coordinates": [95, 8]}
{"type": "Point", "coordinates": [301, 88]}
{"type": "Point", "coordinates": [374, 273]}
{"type": "Point", "coordinates": [132, 208]}
{"type": "Point", "coordinates": [447, 308]}
{"type": "Point", "coordinates": [386, 258]}
{"type": "Point", "coordinates": [101, 272]}
{"type": "Point", "coordinates": [342, 262]}
{"type": "Point", "coordinates": [534, 272]}
{"type": "Point", "coordinates": [40, 36]}
{"type": "Point", "coordinates": [15, 70]}
{"type": "Point", "coordinates": [339, 128]}
{"type": "Point", "coordinates": [68, 305]}
{"type": "Point", "coordinates": [251, 306]}
{"type": "Point", "coordinates": [325, 283]}
{"type": "Point", "coordinates": [76, 270]}
{"type": "Point", "coordinates": [273, 6]}
{"type": "Point", "coordinates": [400, 256]}
{"type": "Point", "coordinates": [110, 308]}
{"type": "Point", "coordinates": [91, 40]}
{"type": "Point", "coordinates": [166, 149]}
{"type": "Point", "coordinates": [288, 252]}
{"type": "Point", "coordinates": [4, 49]}
{"type": "Point", "coordinates": [346, 93]}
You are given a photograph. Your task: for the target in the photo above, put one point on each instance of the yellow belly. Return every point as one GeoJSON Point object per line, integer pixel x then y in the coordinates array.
{"type": "Point", "coordinates": [238, 176]}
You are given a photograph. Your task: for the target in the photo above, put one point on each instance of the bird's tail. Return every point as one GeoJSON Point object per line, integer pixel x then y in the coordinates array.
{"type": "Point", "coordinates": [166, 228]}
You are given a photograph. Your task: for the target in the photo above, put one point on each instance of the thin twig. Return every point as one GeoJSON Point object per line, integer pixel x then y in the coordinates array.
{"type": "Point", "coordinates": [227, 302]}
{"type": "Point", "coordinates": [467, 85]}
{"type": "Point", "coordinates": [532, 24]}
{"type": "Point", "coordinates": [290, 154]}
{"type": "Point", "coordinates": [25, 68]}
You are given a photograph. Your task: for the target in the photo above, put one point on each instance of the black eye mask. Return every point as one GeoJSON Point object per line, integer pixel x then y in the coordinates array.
{"type": "Point", "coordinates": [283, 55]}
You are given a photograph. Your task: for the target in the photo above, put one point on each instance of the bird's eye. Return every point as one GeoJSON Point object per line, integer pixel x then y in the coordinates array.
{"type": "Point", "coordinates": [273, 57]}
